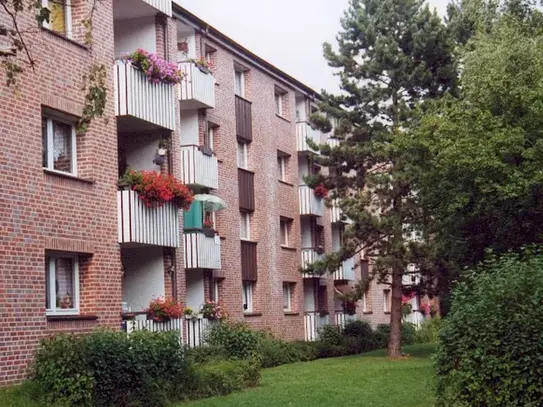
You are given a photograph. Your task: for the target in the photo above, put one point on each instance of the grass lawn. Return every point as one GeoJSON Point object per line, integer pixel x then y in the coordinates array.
{"type": "Point", "coordinates": [369, 380]}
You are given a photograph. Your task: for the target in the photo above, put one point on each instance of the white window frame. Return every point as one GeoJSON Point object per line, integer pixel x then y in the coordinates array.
{"type": "Point", "coordinates": [241, 74]}
{"type": "Point", "coordinates": [387, 300]}
{"type": "Point", "coordinates": [67, 17]}
{"type": "Point", "coordinates": [215, 288]}
{"type": "Point", "coordinates": [51, 274]}
{"type": "Point", "coordinates": [245, 164]}
{"type": "Point", "coordinates": [279, 103]}
{"type": "Point", "coordinates": [287, 289]}
{"type": "Point", "coordinates": [50, 145]}
{"type": "Point", "coordinates": [282, 161]}
{"type": "Point", "coordinates": [284, 230]}
{"type": "Point", "coordinates": [245, 225]}
{"type": "Point", "coordinates": [365, 307]}
{"type": "Point", "coordinates": [247, 289]}
{"type": "Point", "coordinates": [211, 137]}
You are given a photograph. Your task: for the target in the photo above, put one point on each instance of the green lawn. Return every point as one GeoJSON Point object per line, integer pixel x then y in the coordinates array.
{"type": "Point", "coordinates": [371, 380]}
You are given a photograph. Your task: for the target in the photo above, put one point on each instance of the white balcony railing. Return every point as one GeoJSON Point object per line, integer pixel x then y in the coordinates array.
{"type": "Point", "coordinates": [341, 319]}
{"type": "Point", "coordinates": [309, 203]}
{"type": "Point", "coordinates": [150, 226]}
{"type": "Point", "coordinates": [197, 88]}
{"type": "Point", "coordinates": [202, 252]}
{"type": "Point", "coordinates": [136, 96]}
{"type": "Point", "coordinates": [303, 132]}
{"type": "Point", "coordinates": [195, 330]}
{"type": "Point", "coordinates": [345, 270]}
{"type": "Point", "coordinates": [309, 256]}
{"type": "Point", "coordinates": [313, 321]}
{"type": "Point", "coordinates": [165, 6]}
{"type": "Point", "coordinates": [175, 325]}
{"type": "Point", "coordinates": [332, 142]}
{"type": "Point", "coordinates": [199, 169]}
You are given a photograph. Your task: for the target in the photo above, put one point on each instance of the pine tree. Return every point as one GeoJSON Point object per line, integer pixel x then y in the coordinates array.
{"type": "Point", "coordinates": [393, 56]}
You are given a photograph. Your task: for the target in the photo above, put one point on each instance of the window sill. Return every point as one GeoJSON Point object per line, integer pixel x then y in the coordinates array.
{"type": "Point", "coordinates": [72, 317]}
{"type": "Point", "coordinates": [367, 312]}
{"type": "Point", "coordinates": [67, 175]}
{"type": "Point", "coordinates": [252, 314]}
{"type": "Point", "coordinates": [64, 37]}
{"type": "Point", "coordinates": [289, 248]}
{"type": "Point", "coordinates": [291, 313]}
{"type": "Point", "coordinates": [282, 117]}
{"type": "Point", "coordinates": [286, 183]}
{"type": "Point", "coordinates": [387, 312]}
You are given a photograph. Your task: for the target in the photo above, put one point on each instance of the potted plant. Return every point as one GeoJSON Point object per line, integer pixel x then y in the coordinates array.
{"type": "Point", "coordinates": [156, 69]}
{"type": "Point", "coordinates": [188, 312]}
{"type": "Point", "coordinates": [201, 64]}
{"type": "Point", "coordinates": [321, 191]}
{"type": "Point", "coordinates": [164, 309]}
{"type": "Point", "coordinates": [213, 311]}
{"type": "Point", "coordinates": [66, 302]}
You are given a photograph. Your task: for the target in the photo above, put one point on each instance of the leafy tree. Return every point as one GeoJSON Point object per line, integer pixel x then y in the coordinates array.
{"type": "Point", "coordinates": [479, 156]}
{"type": "Point", "coordinates": [393, 56]}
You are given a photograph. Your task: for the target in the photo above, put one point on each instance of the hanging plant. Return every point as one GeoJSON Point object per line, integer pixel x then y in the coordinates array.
{"type": "Point", "coordinates": [163, 310]}
{"type": "Point", "coordinates": [157, 189]}
{"type": "Point", "coordinates": [321, 191]}
{"type": "Point", "coordinates": [156, 69]}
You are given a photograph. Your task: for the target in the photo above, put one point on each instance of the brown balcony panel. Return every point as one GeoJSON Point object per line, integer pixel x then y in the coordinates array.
{"type": "Point", "coordinates": [246, 184]}
{"type": "Point", "coordinates": [248, 261]}
{"type": "Point", "coordinates": [244, 121]}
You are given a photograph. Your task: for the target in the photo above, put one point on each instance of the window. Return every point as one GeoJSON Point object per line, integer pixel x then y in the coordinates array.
{"type": "Point", "coordinates": [280, 102]}
{"type": "Point", "coordinates": [386, 300]}
{"type": "Point", "coordinates": [366, 303]}
{"type": "Point", "coordinates": [245, 226]}
{"type": "Point", "coordinates": [282, 166]}
{"type": "Point", "coordinates": [59, 152]}
{"type": "Point", "coordinates": [209, 56]}
{"type": "Point", "coordinates": [240, 83]}
{"type": "Point", "coordinates": [60, 17]}
{"type": "Point", "coordinates": [248, 296]}
{"type": "Point", "coordinates": [242, 155]}
{"type": "Point", "coordinates": [214, 290]}
{"type": "Point", "coordinates": [209, 136]}
{"type": "Point", "coordinates": [288, 289]}
{"type": "Point", "coordinates": [284, 225]}
{"type": "Point", "coordinates": [62, 284]}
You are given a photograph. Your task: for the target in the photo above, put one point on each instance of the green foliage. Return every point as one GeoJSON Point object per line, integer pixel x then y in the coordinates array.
{"type": "Point", "coordinates": [95, 88]}
{"type": "Point", "coordinates": [275, 352]}
{"type": "Point", "coordinates": [491, 346]}
{"type": "Point", "coordinates": [429, 330]}
{"type": "Point", "coordinates": [306, 350]}
{"type": "Point", "coordinates": [110, 368]}
{"type": "Point", "coordinates": [362, 336]}
{"type": "Point", "coordinates": [330, 335]}
{"type": "Point", "coordinates": [223, 377]}
{"type": "Point", "coordinates": [382, 334]}
{"type": "Point", "coordinates": [207, 354]}
{"type": "Point", "coordinates": [238, 340]}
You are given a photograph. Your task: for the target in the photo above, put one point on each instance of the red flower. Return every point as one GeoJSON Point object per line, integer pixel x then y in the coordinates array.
{"type": "Point", "coordinates": [161, 309]}
{"type": "Point", "coordinates": [321, 191]}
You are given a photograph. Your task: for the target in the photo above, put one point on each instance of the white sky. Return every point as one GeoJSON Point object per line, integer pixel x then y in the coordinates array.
{"type": "Point", "coordinates": [287, 33]}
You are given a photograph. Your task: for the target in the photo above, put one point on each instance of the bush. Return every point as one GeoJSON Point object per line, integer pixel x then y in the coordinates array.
{"type": "Point", "coordinates": [330, 335]}
{"type": "Point", "coordinates": [207, 354]}
{"type": "Point", "coordinates": [490, 350]}
{"type": "Point", "coordinates": [110, 368]}
{"type": "Point", "coordinates": [359, 337]}
{"type": "Point", "coordinates": [220, 378]}
{"type": "Point", "coordinates": [306, 350]}
{"type": "Point", "coordinates": [428, 331]}
{"type": "Point", "coordinates": [275, 352]}
{"type": "Point", "coordinates": [238, 340]}
{"type": "Point", "coordinates": [382, 333]}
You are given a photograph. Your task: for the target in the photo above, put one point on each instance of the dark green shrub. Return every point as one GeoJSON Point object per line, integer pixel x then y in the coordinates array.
{"type": "Point", "coordinates": [207, 354]}
{"type": "Point", "coordinates": [328, 350]}
{"type": "Point", "coordinates": [330, 335]}
{"type": "Point", "coordinates": [306, 350]}
{"type": "Point", "coordinates": [275, 352]}
{"type": "Point", "coordinates": [409, 332]}
{"type": "Point", "coordinates": [239, 341]}
{"type": "Point", "coordinates": [110, 368]}
{"type": "Point", "coordinates": [428, 331]}
{"type": "Point", "coordinates": [382, 333]}
{"type": "Point", "coordinates": [490, 350]}
{"type": "Point", "coordinates": [359, 335]}
{"type": "Point", "coordinates": [220, 378]}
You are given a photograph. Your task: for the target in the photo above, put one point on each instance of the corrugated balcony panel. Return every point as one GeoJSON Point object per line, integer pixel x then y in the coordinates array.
{"type": "Point", "coordinates": [244, 120]}
{"type": "Point", "coordinates": [165, 6]}
{"type": "Point", "coordinates": [309, 256]}
{"type": "Point", "coordinates": [249, 265]}
{"type": "Point", "coordinates": [246, 186]}
{"type": "Point", "coordinates": [197, 88]}
{"type": "Point", "coordinates": [199, 169]}
{"type": "Point", "coordinates": [136, 96]}
{"type": "Point", "coordinates": [143, 225]}
{"type": "Point", "coordinates": [303, 132]}
{"type": "Point", "coordinates": [201, 252]}
{"type": "Point", "coordinates": [345, 271]}
{"type": "Point", "coordinates": [309, 203]}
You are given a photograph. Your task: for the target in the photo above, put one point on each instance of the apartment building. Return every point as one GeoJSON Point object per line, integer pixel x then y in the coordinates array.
{"type": "Point", "coordinates": [78, 251]}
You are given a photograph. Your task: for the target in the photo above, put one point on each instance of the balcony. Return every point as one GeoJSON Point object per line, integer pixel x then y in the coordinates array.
{"type": "Point", "coordinates": [313, 322]}
{"type": "Point", "coordinates": [309, 256]}
{"type": "Point", "coordinates": [164, 6]}
{"type": "Point", "coordinates": [197, 88]}
{"type": "Point", "coordinates": [137, 97]}
{"type": "Point", "coordinates": [345, 271]}
{"type": "Point", "coordinates": [199, 169]}
{"type": "Point", "coordinates": [303, 132]}
{"type": "Point", "coordinates": [200, 251]}
{"type": "Point", "coordinates": [309, 203]}
{"type": "Point", "coordinates": [148, 226]}
{"type": "Point", "coordinates": [244, 120]}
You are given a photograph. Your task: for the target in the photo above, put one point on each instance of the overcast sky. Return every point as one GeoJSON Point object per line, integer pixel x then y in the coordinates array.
{"type": "Point", "coordinates": [287, 33]}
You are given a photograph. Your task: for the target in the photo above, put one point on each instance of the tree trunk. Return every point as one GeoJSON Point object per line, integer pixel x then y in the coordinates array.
{"type": "Point", "coordinates": [395, 340]}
